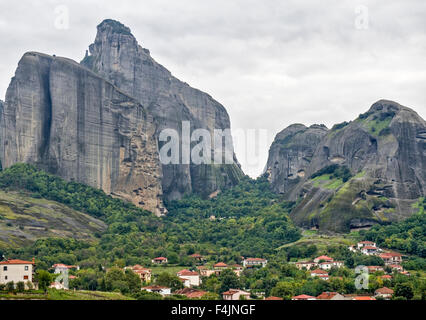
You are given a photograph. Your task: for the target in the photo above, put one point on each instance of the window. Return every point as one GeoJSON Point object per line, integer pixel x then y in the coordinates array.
{"type": "Point", "coordinates": [25, 277]}
{"type": "Point", "coordinates": [4, 268]}
{"type": "Point", "coordinates": [26, 268]}
{"type": "Point", "coordinates": [5, 278]}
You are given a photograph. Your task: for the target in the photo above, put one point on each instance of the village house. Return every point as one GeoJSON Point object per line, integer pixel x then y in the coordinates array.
{"type": "Point", "coordinates": [164, 291]}
{"type": "Point", "coordinates": [307, 265]}
{"type": "Point", "coordinates": [63, 268]}
{"type": "Point", "coordinates": [372, 269]}
{"type": "Point", "coordinates": [320, 274]}
{"type": "Point", "coordinates": [391, 258]}
{"type": "Point", "coordinates": [191, 293]}
{"type": "Point", "coordinates": [159, 260]}
{"type": "Point", "coordinates": [384, 293]}
{"type": "Point", "coordinates": [235, 294]}
{"type": "Point", "coordinates": [205, 272]}
{"type": "Point", "coordinates": [323, 259]}
{"type": "Point", "coordinates": [144, 273]}
{"type": "Point", "coordinates": [396, 267]}
{"type": "Point", "coordinates": [237, 269]}
{"type": "Point", "coordinates": [325, 265]}
{"type": "Point", "coordinates": [197, 257]}
{"type": "Point", "coordinates": [220, 266]}
{"type": "Point", "coordinates": [254, 262]}
{"type": "Point", "coordinates": [57, 285]}
{"type": "Point", "coordinates": [369, 250]}
{"type": "Point", "coordinates": [192, 277]}
{"type": "Point", "coordinates": [362, 244]}
{"type": "Point", "coordinates": [330, 296]}
{"type": "Point", "coordinates": [386, 277]}
{"type": "Point", "coordinates": [16, 271]}
{"type": "Point", "coordinates": [303, 297]}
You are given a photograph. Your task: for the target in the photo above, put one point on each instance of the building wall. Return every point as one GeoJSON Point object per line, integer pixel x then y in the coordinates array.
{"type": "Point", "coordinates": [16, 273]}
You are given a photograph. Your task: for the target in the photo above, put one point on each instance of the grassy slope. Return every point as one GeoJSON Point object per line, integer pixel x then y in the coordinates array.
{"type": "Point", "coordinates": [24, 219]}
{"type": "Point", "coordinates": [66, 295]}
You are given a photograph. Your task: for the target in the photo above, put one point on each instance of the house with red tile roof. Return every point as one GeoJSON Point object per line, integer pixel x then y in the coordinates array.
{"type": "Point", "coordinates": [318, 273]}
{"type": "Point", "coordinates": [159, 260]}
{"type": "Point", "coordinates": [396, 267]}
{"type": "Point", "coordinates": [197, 257]}
{"type": "Point", "coordinates": [386, 277]}
{"type": "Point", "coordinates": [330, 296]}
{"type": "Point", "coordinates": [303, 297]}
{"type": "Point", "coordinates": [254, 262]}
{"type": "Point", "coordinates": [323, 258]}
{"type": "Point", "coordinates": [369, 250]}
{"type": "Point", "coordinates": [191, 293]}
{"type": "Point", "coordinates": [373, 269]}
{"type": "Point", "coordinates": [235, 294]}
{"type": "Point", "coordinates": [17, 271]}
{"type": "Point", "coordinates": [363, 298]}
{"type": "Point", "coordinates": [144, 273]}
{"type": "Point", "coordinates": [362, 244]}
{"type": "Point", "coordinates": [391, 258]}
{"type": "Point", "coordinates": [220, 265]}
{"type": "Point", "coordinates": [307, 265]}
{"type": "Point", "coordinates": [384, 293]}
{"type": "Point", "coordinates": [192, 276]}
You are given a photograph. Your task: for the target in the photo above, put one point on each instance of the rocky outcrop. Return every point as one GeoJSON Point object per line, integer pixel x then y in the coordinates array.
{"type": "Point", "coordinates": [384, 149]}
{"type": "Point", "coordinates": [73, 123]}
{"type": "Point", "coordinates": [291, 154]}
{"type": "Point", "coordinates": [117, 56]}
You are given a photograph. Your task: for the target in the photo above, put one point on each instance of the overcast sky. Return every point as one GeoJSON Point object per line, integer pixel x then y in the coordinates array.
{"type": "Point", "coordinates": [270, 63]}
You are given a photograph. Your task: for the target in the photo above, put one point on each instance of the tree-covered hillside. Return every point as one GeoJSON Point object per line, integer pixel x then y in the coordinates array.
{"type": "Point", "coordinates": [247, 220]}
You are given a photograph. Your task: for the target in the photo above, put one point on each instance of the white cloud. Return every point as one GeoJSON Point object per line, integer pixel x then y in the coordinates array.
{"type": "Point", "coordinates": [270, 63]}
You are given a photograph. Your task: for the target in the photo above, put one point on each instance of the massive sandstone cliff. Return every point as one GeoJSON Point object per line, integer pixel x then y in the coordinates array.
{"type": "Point", "coordinates": [99, 122]}
{"type": "Point", "coordinates": [117, 56]}
{"type": "Point", "coordinates": [73, 123]}
{"type": "Point", "coordinates": [385, 150]}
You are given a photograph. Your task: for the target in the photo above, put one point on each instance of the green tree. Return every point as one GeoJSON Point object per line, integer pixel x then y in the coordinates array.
{"type": "Point", "coordinates": [228, 280]}
{"type": "Point", "coordinates": [169, 280]}
{"type": "Point", "coordinates": [44, 279]}
{"type": "Point", "coordinates": [404, 290]}
{"type": "Point", "coordinates": [20, 286]}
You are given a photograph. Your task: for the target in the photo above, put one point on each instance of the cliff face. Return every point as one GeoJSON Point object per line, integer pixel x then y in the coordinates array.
{"type": "Point", "coordinates": [117, 56]}
{"type": "Point", "coordinates": [71, 122]}
{"type": "Point", "coordinates": [384, 150]}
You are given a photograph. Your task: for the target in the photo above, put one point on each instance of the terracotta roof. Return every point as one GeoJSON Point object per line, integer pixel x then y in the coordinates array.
{"type": "Point", "coordinates": [273, 298]}
{"type": "Point", "coordinates": [302, 297]}
{"type": "Point", "coordinates": [327, 295]}
{"type": "Point", "coordinates": [396, 266]}
{"type": "Point", "coordinates": [390, 254]}
{"type": "Point", "coordinates": [324, 258]}
{"type": "Point", "coordinates": [220, 264]}
{"type": "Point", "coordinates": [255, 259]}
{"type": "Point", "coordinates": [369, 248]}
{"type": "Point", "coordinates": [384, 290]}
{"type": "Point", "coordinates": [364, 298]}
{"type": "Point", "coordinates": [61, 265]}
{"type": "Point", "coordinates": [16, 261]}
{"type": "Point", "coordinates": [191, 293]}
{"type": "Point", "coordinates": [319, 271]}
{"type": "Point", "coordinates": [196, 255]}
{"type": "Point", "coordinates": [187, 273]}
{"type": "Point", "coordinates": [386, 277]}
{"type": "Point", "coordinates": [160, 258]}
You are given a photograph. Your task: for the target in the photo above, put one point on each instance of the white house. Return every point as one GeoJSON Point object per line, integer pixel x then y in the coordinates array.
{"type": "Point", "coordinates": [308, 265]}
{"type": "Point", "coordinates": [164, 291]}
{"type": "Point", "coordinates": [235, 294]}
{"type": "Point", "coordinates": [252, 262]}
{"type": "Point", "coordinates": [384, 293]}
{"type": "Point", "coordinates": [159, 260]}
{"type": "Point", "coordinates": [16, 271]}
{"type": "Point", "coordinates": [362, 244]}
{"type": "Point", "coordinates": [192, 276]}
{"type": "Point", "coordinates": [369, 250]}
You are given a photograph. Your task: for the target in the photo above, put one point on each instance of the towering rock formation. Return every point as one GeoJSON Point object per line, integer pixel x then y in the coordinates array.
{"type": "Point", "coordinates": [73, 123]}
{"type": "Point", "coordinates": [384, 149]}
{"type": "Point", "coordinates": [99, 123]}
{"type": "Point", "coordinates": [117, 56]}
